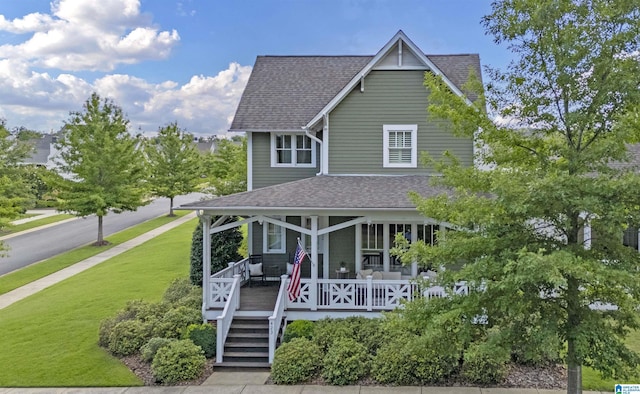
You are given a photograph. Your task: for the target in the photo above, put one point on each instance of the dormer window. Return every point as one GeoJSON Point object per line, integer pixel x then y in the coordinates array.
{"type": "Point", "coordinates": [292, 150]}
{"type": "Point", "coordinates": [400, 145]}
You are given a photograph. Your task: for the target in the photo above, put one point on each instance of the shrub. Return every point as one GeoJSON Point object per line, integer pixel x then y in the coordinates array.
{"type": "Point", "coordinates": [295, 362]}
{"type": "Point", "coordinates": [178, 361]}
{"type": "Point", "coordinates": [104, 332]}
{"type": "Point", "coordinates": [391, 364]}
{"type": "Point", "coordinates": [224, 249]}
{"type": "Point", "coordinates": [298, 329]}
{"type": "Point", "coordinates": [178, 289]}
{"type": "Point", "coordinates": [327, 331]}
{"type": "Point", "coordinates": [203, 335]}
{"type": "Point", "coordinates": [149, 350]}
{"type": "Point", "coordinates": [433, 358]}
{"type": "Point", "coordinates": [346, 362]}
{"type": "Point", "coordinates": [176, 320]}
{"type": "Point", "coordinates": [535, 346]}
{"type": "Point", "coordinates": [369, 332]}
{"type": "Point", "coordinates": [485, 363]}
{"type": "Point", "coordinates": [415, 359]}
{"type": "Point", "coordinates": [128, 336]}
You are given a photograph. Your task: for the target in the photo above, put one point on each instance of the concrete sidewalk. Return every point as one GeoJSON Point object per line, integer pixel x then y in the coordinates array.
{"type": "Point", "coordinates": [40, 214]}
{"type": "Point", "coordinates": [274, 389]}
{"type": "Point", "coordinates": [40, 284]}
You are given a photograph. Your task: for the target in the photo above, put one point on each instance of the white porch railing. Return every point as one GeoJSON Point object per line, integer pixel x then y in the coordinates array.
{"type": "Point", "coordinates": [237, 268]}
{"type": "Point", "coordinates": [223, 321]}
{"type": "Point", "coordinates": [365, 294]}
{"type": "Point", "coordinates": [275, 320]}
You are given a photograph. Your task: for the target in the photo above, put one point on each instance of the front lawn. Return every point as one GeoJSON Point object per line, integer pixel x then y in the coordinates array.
{"type": "Point", "coordinates": [50, 339]}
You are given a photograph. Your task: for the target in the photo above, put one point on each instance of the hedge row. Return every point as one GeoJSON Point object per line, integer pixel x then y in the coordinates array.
{"type": "Point", "coordinates": [345, 351]}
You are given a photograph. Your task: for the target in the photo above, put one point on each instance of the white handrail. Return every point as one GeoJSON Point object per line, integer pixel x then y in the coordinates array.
{"type": "Point", "coordinates": [275, 320]}
{"type": "Point", "coordinates": [233, 269]}
{"type": "Point", "coordinates": [223, 321]}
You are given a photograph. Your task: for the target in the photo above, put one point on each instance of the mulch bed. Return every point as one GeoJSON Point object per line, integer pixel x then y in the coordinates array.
{"type": "Point", "coordinates": [551, 377]}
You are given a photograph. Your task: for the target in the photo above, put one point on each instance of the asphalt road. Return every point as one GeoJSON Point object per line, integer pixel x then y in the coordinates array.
{"type": "Point", "coordinates": [42, 244]}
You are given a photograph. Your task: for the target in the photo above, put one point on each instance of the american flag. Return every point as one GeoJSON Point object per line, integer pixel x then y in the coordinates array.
{"type": "Point", "coordinates": [294, 284]}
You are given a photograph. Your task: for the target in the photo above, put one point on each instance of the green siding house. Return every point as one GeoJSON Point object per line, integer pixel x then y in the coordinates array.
{"type": "Point", "coordinates": [350, 128]}
{"type": "Point", "coordinates": [334, 147]}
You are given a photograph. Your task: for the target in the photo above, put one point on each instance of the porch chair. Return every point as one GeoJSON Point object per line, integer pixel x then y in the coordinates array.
{"type": "Point", "coordinates": [255, 268]}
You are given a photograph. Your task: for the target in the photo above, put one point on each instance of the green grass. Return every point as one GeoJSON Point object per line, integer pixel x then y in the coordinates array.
{"type": "Point", "coordinates": [33, 272]}
{"type": "Point", "coordinates": [50, 339]}
{"type": "Point", "coordinates": [35, 223]}
{"type": "Point", "coordinates": [591, 379]}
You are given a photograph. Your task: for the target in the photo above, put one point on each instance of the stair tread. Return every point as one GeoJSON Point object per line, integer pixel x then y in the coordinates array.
{"type": "Point", "coordinates": [247, 335]}
{"type": "Point", "coordinates": [254, 326]}
{"type": "Point", "coordinates": [245, 364]}
{"type": "Point", "coordinates": [247, 344]}
{"type": "Point", "coordinates": [246, 354]}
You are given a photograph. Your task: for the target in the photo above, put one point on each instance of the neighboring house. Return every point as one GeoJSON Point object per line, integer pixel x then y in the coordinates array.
{"type": "Point", "coordinates": [333, 150]}
{"type": "Point", "coordinates": [43, 152]}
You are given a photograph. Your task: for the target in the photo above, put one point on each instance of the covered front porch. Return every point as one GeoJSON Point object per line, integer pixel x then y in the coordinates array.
{"type": "Point", "coordinates": [348, 221]}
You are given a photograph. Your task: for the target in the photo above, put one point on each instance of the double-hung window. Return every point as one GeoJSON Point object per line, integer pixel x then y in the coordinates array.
{"type": "Point", "coordinates": [400, 146]}
{"type": "Point", "coordinates": [274, 237]}
{"type": "Point", "coordinates": [292, 150]}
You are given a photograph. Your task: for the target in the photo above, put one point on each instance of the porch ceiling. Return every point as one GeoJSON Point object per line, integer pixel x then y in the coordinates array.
{"type": "Point", "coordinates": [327, 193]}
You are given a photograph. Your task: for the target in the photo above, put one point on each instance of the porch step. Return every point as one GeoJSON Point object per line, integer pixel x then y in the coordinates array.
{"type": "Point", "coordinates": [242, 366]}
{"type": "Point", "coordinates": [247, 344]}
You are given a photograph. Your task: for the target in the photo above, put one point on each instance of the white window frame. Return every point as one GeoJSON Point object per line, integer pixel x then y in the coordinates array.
{"type": "Point", "coordinates": [265, 237]}
{"type": "Point", "coordinates": [389, 128]}
{"type": "Point", "coordinates": [294, 151]}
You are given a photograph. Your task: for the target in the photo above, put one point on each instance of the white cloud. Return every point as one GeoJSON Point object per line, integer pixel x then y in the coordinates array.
{"type": "Point", "coordinates": [204, 105]}
{"type": "Point", "coordinates": [95, 35]}
{"type": "Point", "coordinates": [38, 87]}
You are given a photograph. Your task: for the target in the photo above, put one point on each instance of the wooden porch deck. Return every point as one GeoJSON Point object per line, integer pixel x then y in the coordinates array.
{"type": "Point", "coordinates": [259, 297]}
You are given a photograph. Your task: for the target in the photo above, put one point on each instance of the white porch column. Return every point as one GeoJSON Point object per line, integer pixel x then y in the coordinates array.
{"type": "Point", "coordinates": [206, 260]}
{"type": "Point", "coordinates": [324, 223]}
{"type": "Point", "coordinates": [414, 238]}
{"type": "Point", "coordinates": [313, 291]}
{"type": "Point", "coordinates": [385, 246]}
{"type": "Point", "coordinates": [358, 247]}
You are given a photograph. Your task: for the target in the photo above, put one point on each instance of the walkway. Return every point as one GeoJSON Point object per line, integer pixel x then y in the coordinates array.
{"type": "Point", "coordinates": [40, 284]}
{"type": "Point", "coordinates": [253, 388]}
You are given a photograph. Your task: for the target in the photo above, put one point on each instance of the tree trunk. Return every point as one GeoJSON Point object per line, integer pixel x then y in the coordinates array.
{"type": "Point", "coordinates": [171, 207]}
{"type": "Point", "coordinates": [100, 240]}
{"type": "Point", "coordinates": [574, 365]}
{"type": "Point", "coordinates": [574, 375]}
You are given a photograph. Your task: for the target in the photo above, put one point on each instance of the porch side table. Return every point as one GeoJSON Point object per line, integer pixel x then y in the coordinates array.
{"type": "Point", "coordinates": [342, 274]}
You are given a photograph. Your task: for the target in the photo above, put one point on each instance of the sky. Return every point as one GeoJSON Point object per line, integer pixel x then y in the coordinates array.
{"type": "Point", "coordinates": [188, 61]}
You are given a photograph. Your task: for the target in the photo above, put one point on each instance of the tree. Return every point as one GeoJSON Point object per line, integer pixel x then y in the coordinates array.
{"type": "Point", "coordinates": [15, 196]}
{"type": "Point", "coordinates": [174, 164]}
{"type": "Point", "coordinates": [569, 107]}
{"type": "Point", "coordinates": [226, 168]}
{"type": "Point", "coordinates": [224, 249]}
{"type": "Point", "coordinates": [107, 166]}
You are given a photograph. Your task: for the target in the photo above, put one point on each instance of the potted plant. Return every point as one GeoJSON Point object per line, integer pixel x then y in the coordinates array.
{"type": "Point", "coordinates": [343, 266]}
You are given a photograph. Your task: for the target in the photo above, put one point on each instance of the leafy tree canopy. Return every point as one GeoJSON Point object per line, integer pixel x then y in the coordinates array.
{"type": "Point", "coordinates": [553, 133]}
{"type": "Point", "coordinates": [107, 166]}
{"type": "Point", "coordinates": [174, 163]}
{"type": "Point", "coordinates": [15, 195]}
{"type": "Point", "coordinates": [226, 168]}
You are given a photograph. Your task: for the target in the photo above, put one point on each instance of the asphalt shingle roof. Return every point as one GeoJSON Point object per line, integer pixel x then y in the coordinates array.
{"type": "Point", "coordinates": [331, 192]}
{"type": "Point", "coordinates": [286, 92]}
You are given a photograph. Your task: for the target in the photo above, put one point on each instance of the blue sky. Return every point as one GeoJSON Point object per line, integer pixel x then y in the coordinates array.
{"type": "Point", "coordinates": [188, 61]}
